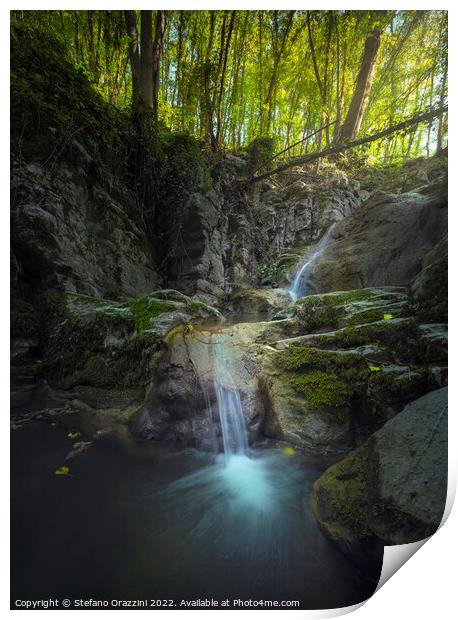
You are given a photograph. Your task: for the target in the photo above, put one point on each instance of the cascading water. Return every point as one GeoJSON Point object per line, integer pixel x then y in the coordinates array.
{"type": "Point", "coordinates": [300, 284]}
{"type": "Point", "coordinates": [234, 526]}
{"type": "Point", "coordinates": [230, 410]}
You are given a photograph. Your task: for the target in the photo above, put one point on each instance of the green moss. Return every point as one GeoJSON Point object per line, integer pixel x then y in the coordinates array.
{"type": "Point", "coordinates": [345, 495]}
{"type": "Point", "coordinates": [145, 309]}
{"type": "Point", "coordinates": [350, 368]}
{"type": "Point", "coordinates": [398, 338]}
{"type": "Point", "coordinates": [388, 389]}
{"type": "Point", "coordinates": [366, 316]}
{"type": "Point", "coordinates": [322, 389]}
{"type": "Point", "coordinates": [243, 292]}
{"type": "Point", "coordinates": [325, 378]}
{"type": "Point", "coordinates": [316, 312]}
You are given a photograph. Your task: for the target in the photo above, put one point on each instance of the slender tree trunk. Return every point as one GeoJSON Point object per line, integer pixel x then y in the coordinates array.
{"type": "Point", "coordinates": [440, 125]}
{"type": "Point", "coordinates": [134, 53]}
{"type": "Point", "coordinates": [223, 76]}
{"type": "Point", "coordinates": [157, 49]}
{"type": "Point", "coordinates": [366, 74]}
{"type": "Point", "coordinates": [146, 59]}
{"type": "Point", "coordinates": [207, 104]}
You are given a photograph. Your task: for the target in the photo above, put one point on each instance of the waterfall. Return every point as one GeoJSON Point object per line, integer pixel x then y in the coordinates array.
{"type": "Point", "coordinates": [300, 284]}
{"type": "Point", "coordinates": [230, 410]}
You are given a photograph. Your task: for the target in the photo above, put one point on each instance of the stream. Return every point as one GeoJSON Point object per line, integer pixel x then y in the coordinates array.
{"type": "Point", "coordinates": [171, 524]}
{"type": "Point", "coordinates": [164, 523]}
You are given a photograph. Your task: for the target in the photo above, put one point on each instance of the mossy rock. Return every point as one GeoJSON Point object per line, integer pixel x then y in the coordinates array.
{"type": "Point", "coordinates": [383, 493]}
{"type": "Point", "coordinates": [115, 344]}
{"type": "Point", "coordinates": [331, 310]}
{"type": "Point", "coordinates": [428, 294]}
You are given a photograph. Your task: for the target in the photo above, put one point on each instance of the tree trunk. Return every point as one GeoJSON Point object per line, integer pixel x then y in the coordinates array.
{"type": "Point", "coordinates": [156, 59]}
{"type": "Point", "coordinates": [134, 53]}
{"type": "Point", "coordinates": [146, 59]}
{"type": "Point", "coordinates": [363, 86]}
{"type": "Point", "coordinates": [207, 105]}
{"type": "Point", "coordinates": [223, 76]}
{"type": "Point", "coordinates": [441, 117]}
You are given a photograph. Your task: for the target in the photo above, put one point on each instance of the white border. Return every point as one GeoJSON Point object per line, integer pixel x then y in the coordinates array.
{"type": "Point", "coordinates": [426, 585]}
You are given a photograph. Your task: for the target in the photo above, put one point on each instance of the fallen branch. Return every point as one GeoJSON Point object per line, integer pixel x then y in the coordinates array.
{"type": "Point", "coordinates": [288, 148]}
{"type": "Point", "coordinates": [298, 161]}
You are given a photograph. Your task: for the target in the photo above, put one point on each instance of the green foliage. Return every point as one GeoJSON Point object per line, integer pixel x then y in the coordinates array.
{"type": "Point", "coordinates": [52, 103]}
{"type": "Point", "coordinates": [267, 85]}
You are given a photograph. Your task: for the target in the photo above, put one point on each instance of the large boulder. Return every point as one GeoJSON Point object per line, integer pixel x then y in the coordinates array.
{"type": "Point", "coordinates": [392, 490]}
{"type": "Point", "coordinates": [183, 406]}
{"type": "Point", "coordinates": [384, 242]}
{"type": "Point", "coordinates": [428, 291]}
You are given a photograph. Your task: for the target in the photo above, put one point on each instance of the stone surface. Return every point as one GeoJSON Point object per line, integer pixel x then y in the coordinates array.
{"type": "Point", "coordinates": [196, 267]}
{"type": "Point", "coordinates": [72, 233]}
{"type": "Point", "coordinates": [323, 379]}
{"type": "Point", "coordinates": [269, 230]}
{"type": "Point", "coordinates": [384, 242]}
{"type": "Point", "coordinates": [392, 490]}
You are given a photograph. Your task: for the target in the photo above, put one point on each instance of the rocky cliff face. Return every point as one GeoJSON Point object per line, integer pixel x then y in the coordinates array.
{"type": "Point", "coordinates": [271, 227]}
{"type": "Point", "coordinates": [74, 231]}
{"type": "Point", "coordinates": [196, 264]}
{"type": "Point", "coordinates": [387, 240]}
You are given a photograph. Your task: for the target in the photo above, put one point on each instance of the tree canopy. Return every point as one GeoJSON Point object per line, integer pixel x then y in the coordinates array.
{"type": "Point", "coordinates": [305, 79]}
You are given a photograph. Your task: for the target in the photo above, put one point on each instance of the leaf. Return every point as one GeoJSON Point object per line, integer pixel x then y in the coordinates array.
{"type": "Point", "coordinates": [188, 329]}
{"type": "Point", "coordinates": [374, 368]}
{"type": "Point", "coordinates": [73, 434]}
{"type": "Point", "coordinates": [289, 451]}
{"type": "Point", "coordinates": [62, 471]}
{"type": "Point", "coordinates": [387, 317]}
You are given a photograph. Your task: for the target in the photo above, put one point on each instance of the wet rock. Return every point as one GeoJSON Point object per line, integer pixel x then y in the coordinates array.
{"type": "Point", "coordinates": [385, 242]}
{"type": "Point", "coordinates": [391, 490]}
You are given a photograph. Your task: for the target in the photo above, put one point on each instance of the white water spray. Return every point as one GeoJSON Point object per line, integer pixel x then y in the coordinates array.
{"type": "Point", "coordinates": [300, 284]}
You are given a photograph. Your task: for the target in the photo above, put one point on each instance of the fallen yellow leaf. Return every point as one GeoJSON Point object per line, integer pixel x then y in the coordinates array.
{"type": "Point", "coordinates": [289, 451]}
{"type": "Point", "coordinates": [387, 317]}
{"type": "Point", "coordinates": [374, 368]}
{"type": "Point", "coordinates": [62, 471]}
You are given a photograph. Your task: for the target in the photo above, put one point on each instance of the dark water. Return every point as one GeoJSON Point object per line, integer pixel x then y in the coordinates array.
{"type": "Point", "coordinates": [169, 524]}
